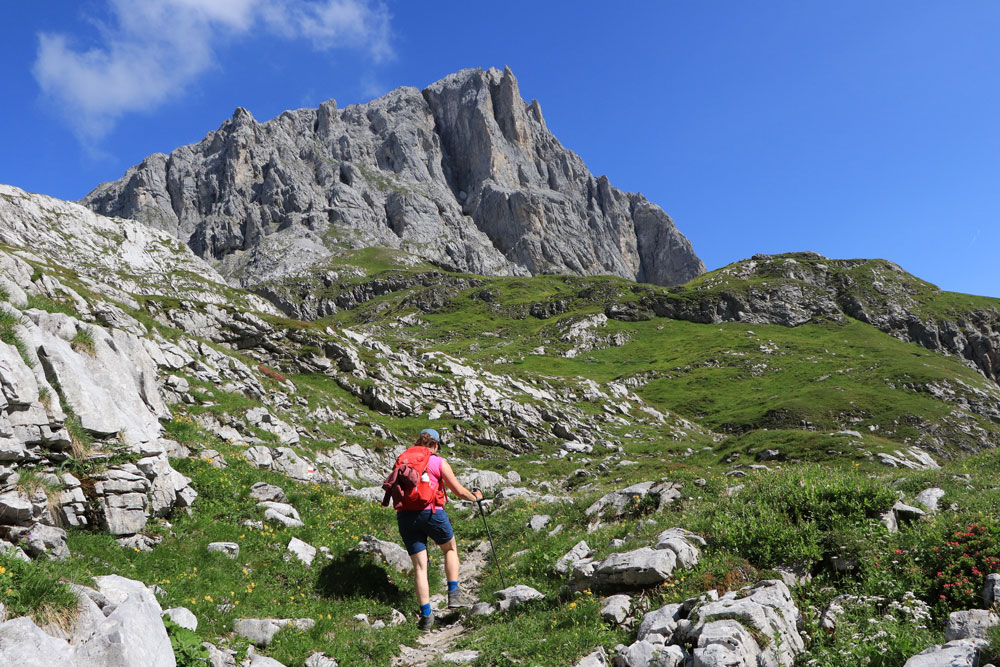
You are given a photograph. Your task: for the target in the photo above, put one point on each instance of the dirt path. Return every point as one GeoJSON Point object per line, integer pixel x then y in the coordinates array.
{"type": "Point", "coordinates": [448, 626]}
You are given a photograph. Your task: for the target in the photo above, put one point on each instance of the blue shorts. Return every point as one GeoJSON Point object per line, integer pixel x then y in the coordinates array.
{"type": "Point", "coordinates": [415, 526]}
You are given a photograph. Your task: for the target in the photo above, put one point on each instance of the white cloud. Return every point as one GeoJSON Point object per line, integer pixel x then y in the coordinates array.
{"type": "Point", "coordinates": [155, 48]}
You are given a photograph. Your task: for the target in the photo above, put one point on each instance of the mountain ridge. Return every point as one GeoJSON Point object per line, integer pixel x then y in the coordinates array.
{"type": "Point", "coordinates": [463, 173]}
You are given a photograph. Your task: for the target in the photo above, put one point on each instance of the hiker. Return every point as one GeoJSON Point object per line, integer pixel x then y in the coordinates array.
{"type": "Point", "coordinates": [431, 521]}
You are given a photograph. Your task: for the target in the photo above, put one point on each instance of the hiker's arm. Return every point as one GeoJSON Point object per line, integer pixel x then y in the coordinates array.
{"type": "Point", "coordinates": [452, 482]}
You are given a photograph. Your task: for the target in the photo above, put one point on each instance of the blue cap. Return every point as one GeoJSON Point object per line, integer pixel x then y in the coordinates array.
{"type": "Point", "coordinates": [431, 432]}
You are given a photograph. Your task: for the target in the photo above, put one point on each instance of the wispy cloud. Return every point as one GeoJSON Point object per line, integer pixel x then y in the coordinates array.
{"type": "Point", "coordinates": [152, 49]}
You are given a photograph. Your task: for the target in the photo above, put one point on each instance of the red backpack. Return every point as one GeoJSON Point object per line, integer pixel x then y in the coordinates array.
{"type": "Point", "coordinates": [409, 485]}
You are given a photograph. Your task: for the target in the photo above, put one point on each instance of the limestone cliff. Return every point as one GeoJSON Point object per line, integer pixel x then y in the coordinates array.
{"type": "Point", "coordinates": [464, 174]}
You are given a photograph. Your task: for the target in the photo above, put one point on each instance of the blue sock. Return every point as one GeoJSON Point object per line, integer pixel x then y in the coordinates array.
{"type": "Point", "coordinates": [452, 585]}
{"type": "Point", "coordinates": [425, 609]}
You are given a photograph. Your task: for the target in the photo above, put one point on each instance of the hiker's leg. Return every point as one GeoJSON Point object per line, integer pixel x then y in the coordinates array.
{"type": "Point", "coordinates": [451, 561]}
{"type": "Point", "coordinates": [420, 577]}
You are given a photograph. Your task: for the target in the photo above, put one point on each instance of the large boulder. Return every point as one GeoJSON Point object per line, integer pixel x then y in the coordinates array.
{"type": "Point", "coordinates": [959, 653]}
{"type": "Point", "coordinates": [387, 552]}
{"type": "Point", "coordinates": [654, 494]}
{"type": "Point", "coordinates": [725, 628]}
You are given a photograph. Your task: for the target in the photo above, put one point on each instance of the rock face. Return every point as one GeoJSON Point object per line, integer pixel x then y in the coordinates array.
{"type": "Point", "coordinates": [796, 288]}
{"type": "Point", "coordinates": [119, 624]}
{"type": "Point", "coordinates": [464, 174]}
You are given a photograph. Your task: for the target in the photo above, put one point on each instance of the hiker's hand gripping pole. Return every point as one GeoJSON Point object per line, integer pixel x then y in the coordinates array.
{"type": "Point", "coordinates": [479, 501]}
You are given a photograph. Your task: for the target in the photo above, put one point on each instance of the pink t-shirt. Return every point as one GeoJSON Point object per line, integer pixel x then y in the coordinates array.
{"type": "Point", "coordinates": [434, 470]}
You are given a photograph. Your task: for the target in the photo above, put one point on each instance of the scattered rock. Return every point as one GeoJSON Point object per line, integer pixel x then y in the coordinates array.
{"type": "Point", "coordinates": [515, 596]}
{"type": "Point", "coordinates": [230, 549]}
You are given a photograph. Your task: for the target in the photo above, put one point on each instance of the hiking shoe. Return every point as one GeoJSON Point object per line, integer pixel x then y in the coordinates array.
{"type": "Point", "coordinates": [426, 622]}
{"type": "Point", "coordinates": [456, 599]}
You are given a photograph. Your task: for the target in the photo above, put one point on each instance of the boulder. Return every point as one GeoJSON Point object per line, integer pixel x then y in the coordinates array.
{"type": "Point", "coordinates": [183, 617]}
{"type": "Point", "coordinates": [320, 660]}
{"type": "Point", "coordinates": [928, 499]}
{"type": "Point", "coordinates": [616, 609]}
{"type": "Point", "coordinates": [614, 505]}
{"type": "Point", "coordinates": [991, 589]}
{"type": "Point", "coordinates": [230, 549]}
{"type": "Point", "coordinates": [260, 631]}
{"type": "Point", "coordinates": [661, 622]}
{"type": "Point", "coordinates": [597, 658]}
{"type": "Point", "coordinates": [133, 631]}
{"type": "Point", "coordinates": [644, 654]}
{"type": "Point", "coordinates": [970, 624]}
{"type": "Point", "coordinates": [514, 596]}
{"type": "Point", "coordinates": [24, 644]}
{"type": "Point", "coordinates": [960, 653]}
{"type": "Point", "coordinates": [282, 513]}
{"type": "Point", "coordinates": [639, 568]}
{"type": "Point", "coordinates": [538, 522]}
{"type": "Point", "coordinates": [265, 492]}
{"type": "Point", "coordinates": [767, 608]}
{"type": "Point", "coordinates": [304, 551]}
{"type": "Point", "coordinates": [579, 552]}
{"type": "Point", "coordinates": [389, 553]}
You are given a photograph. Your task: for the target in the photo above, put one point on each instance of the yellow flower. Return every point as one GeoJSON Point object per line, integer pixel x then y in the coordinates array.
{"type": "Point", "coordinates": [572, 604]}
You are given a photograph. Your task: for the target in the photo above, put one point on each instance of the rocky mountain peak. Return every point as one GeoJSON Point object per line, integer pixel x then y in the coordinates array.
{"type": "Point", "coordinates": [464, 174]}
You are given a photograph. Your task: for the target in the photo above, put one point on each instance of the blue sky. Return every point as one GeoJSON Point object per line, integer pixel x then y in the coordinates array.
{"type": "Point", "coordinates": [851, 128]}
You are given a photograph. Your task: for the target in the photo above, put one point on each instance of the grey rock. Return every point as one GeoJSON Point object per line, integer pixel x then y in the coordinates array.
{"type": "Point", "coordinates": [133, 631]}
{"type": "Point", "coordinates": [991, 589]}
{"type": "Point", "coordinates": [726, 642]}
{"type": "Point", "coordinates": [639, 568]}
{"type": "Point", "coordinates": [304, 551]}
{"type": "Point", "coordinates": [645, 654]}
{"type": "Point", "coordinates": [907, 512]}
{"type": "Point", "coordinates": [538, 522]}
{"type": "Point", "coordinates": [597, 658]}
{"type": "Point", "coordinates": [183, 617]}
{"type": "Point", "coordinates": [616, 503]}
{"type": "Point", "coordinates": [113, 391]}
{"type": "Point", "coordinates": [662, 622]}
{"type": "Point", "coordinates": [961, 653]}
{"type": "Point", "coordinates": [579, 552]}
{"type": "Point", "coordinates": [970, 624]}
{"type": "Point", "coordinates": [393, 173]}
{"type": "Point", "coordinates": [218, 657]}
{"type": "Point", "coordinates": [260, 631]}
{"type": "Point", "coordinates": [267, 493]}
{"type": "Point", "coordinates": [24, 644]}
{"type": "Point", "coordinates": [928, 498]}
{"type": "Point", "coordinates": [767, 608]}
{"type": "Point", "coordinates": [460, 657]}
{"type": "Point", "coordinates": [483, 609]}
{"type": "Point", "coordinates": [282, 513]}
{"type": "Point", "coordinates": [388, 552]}
{"type": "Point", "coordinates": [616, 609]}
{"type": "Point", "coordinates": [320, 660]}
{"type": "Point", "coordinates": [230, 549]}
{"type": "Point", "coordinates": [682, 543]}
{"type": "Point", "coordinates": [514, 596]}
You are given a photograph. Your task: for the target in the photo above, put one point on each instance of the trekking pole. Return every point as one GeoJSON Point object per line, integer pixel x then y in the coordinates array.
{"type": "Point", "coordinates": [479, 501]}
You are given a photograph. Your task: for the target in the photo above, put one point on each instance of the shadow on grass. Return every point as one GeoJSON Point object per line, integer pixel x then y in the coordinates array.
{"type": "Point", "coordinates": [355, 574]}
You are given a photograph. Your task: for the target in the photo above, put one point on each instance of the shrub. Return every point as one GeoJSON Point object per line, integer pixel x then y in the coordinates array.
{"type": "Point", "coordinates": [271, 373]}
{"type": "Point", "coordinates": [188, 650]}
{"type": "Point", "coordinates": [959, 566]}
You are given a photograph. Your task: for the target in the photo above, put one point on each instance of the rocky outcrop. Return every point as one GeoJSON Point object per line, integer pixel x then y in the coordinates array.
{"type": "Point", "coordinates": [119, 623]}
{"type": "Point", "coordinates": [796, 288]}
{"type": "Point", "coordinates": [463, 174]}
{"type": "Point", "coordinates": [758, 625]}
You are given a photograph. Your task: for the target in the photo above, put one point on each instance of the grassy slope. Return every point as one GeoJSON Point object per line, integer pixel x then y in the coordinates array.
{"type": "Point", "coordinates": [753, 384]}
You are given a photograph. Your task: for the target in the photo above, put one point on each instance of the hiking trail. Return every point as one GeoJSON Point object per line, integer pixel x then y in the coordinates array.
{"type": "Point", "coordinates": [448, 628]}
